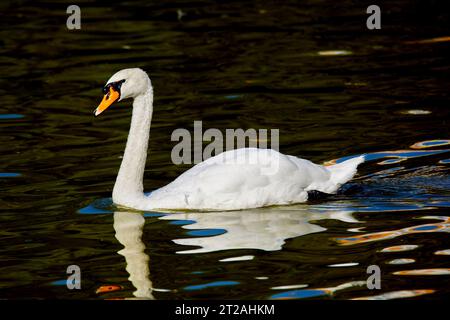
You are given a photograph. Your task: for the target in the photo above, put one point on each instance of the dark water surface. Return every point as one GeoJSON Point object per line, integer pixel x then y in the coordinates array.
{"type": "Point", "coordinates": [311, 69]}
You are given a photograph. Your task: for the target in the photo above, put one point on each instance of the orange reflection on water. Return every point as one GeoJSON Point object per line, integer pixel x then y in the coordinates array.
{"type": "Point", "coordinates": [424, 272]}
{"type": "Point", "coordinates": [391, 161]}
{"type": "Point", "coordinates": [400, 248]}
{"type": "Point", "coordinates": [108, 288]}
{"type": "Point", "coordinates": [424, 228]}
{"type": "Point", "coordinates": [432, 40]}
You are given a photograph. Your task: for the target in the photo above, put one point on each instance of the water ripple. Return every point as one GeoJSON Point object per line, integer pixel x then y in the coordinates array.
{"type": "Point", "coordinates": [384, 235]}
{"type": "Point", "coordinates": [397, 294]}
{"type": "Point", "coordinates": [401, 261]}
{"type": "Point", "coordinates": [424, 272]}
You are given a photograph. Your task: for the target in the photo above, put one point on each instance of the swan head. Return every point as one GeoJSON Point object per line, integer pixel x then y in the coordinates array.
{"type": "Point", "coordinates": [126, 83]}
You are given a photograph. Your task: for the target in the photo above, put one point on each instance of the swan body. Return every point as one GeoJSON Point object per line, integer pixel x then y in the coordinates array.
{"type": "Point", "coordinates": [233, 180]}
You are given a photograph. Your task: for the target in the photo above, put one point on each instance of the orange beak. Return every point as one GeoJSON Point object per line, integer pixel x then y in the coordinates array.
{"type": "Point", "coordinates": [108, 99]}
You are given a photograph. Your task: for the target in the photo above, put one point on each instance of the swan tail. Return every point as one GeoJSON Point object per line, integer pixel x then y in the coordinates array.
{"type": "Point", "coordinates": [345, 171]}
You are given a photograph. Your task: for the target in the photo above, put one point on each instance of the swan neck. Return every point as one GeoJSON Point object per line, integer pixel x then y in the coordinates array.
{"type": "Point", "coordinates": [129, 183]}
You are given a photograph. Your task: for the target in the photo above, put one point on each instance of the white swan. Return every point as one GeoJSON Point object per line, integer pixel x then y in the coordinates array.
{"type": "Point", "coordinates": [233, 180]}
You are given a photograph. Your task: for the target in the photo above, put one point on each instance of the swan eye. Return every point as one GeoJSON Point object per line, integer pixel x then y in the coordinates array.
{"type": "Point", "coordinates": [115, 85]}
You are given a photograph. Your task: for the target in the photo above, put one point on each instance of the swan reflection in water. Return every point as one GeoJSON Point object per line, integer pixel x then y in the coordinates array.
{"type": "Point", "coordinates": [264, 229]}
{"type": "Point", "coordinates": [128, 227]}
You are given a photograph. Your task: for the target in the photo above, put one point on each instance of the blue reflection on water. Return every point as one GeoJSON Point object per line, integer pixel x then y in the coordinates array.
{"type": "Point", "coordinates": [106, 206]}
{"type": "Point", "coordinates": [92, 209]}
{"type": "Point", "coordinates": [154, 214]}
{"type": "Point", "coordinates": [211, 284]}
{"type": "Point", "coordinates": [100, 206]}
{"type": "Point", "coordinates": [233, 96]}
{"type": "Point", "coordinates": [299, 294]}
{"type": "Point", "coordinates": [425, 228]}
{"type": "Point", "coordinates": [11, 116]}
{"type": "Point", "coordinates": [435, 143]}
{"type": "Point", "coordinates": [9, 174]}
{"type": "Point", "coordinates": [63, 282]}
{"type": "Point", "coordinates": [206, 232]}
{"type": "Point", "coordinates": [182, 222]}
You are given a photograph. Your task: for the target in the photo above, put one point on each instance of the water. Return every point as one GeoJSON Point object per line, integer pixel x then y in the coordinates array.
{"type": "Point", "coordinates": [332, 87]}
